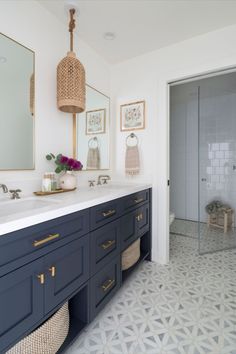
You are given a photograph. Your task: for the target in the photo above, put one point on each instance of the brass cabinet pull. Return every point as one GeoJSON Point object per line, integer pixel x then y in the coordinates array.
{"type": "Point", "coordinates": [138, 200]}
{"type": "Point", "coordinates": [108, 244]}
{"type": "Point", "coordinates": [52, 270]}
{"type": "Point", "coordinates": [109, 212]}
{"type": "Point", "coordinates": [41, 278]}
{"type": "Point", "coordinates": [139, 217]}
{"type": "Point", "coordinates": [108, 284]}
{"type": "Point", "coordinates": [45, 240]}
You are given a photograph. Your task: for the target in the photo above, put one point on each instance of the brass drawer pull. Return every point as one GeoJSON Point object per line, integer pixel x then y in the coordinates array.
{"type": "Point", "coordinates": [41, 278]}
{"type": "Point", "coordinates": [138, 200]}
{"type": "Point", "coordinates": [45, 240]}
{"type": "Point", "coordinates": [108, 244]}
{"type": "Point", "coordinates": [109, 212]}
{"type": "Point", "coordinates": [108, 285]}
{"type": "Point", "coordinates": [52, 270]}
{"type": "Point", "coordinates": [139, 217]}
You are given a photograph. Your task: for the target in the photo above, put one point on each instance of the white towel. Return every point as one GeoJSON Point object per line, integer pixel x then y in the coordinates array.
{"type": "Point", "coordinates": [93, 159]}
{"type": "Point", "coordinates": [132, 163]}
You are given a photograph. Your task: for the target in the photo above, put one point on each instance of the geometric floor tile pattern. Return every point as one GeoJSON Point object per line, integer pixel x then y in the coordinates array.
{"type": "Point", "coordinates": [185, 307]}
{"type": "Point", "coordinates": [211, 239]}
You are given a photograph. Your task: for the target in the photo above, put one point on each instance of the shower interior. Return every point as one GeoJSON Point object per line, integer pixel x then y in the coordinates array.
{"type": "Point", "coordinates": [203, 159]}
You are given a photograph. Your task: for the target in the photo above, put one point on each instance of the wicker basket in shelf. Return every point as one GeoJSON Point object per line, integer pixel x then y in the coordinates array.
{"type": "Point", "coordinates": [48, 338]}
{"type": "Point", "coordinates": [131, 255]}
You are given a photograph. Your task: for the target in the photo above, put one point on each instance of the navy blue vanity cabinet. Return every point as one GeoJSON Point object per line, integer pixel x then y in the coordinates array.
{"type": "Point", "coordinates": [21, 302]}
{"type": "Point", "coordinates": [74, 258]}
{"type": "Point", "coordinates": [66, 270]}
{"type": "Point", "coordinates": [104, 245]}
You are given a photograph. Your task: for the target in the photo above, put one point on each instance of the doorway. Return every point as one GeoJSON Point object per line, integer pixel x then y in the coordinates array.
{"type": "Point", "coordinates": [203, 161]}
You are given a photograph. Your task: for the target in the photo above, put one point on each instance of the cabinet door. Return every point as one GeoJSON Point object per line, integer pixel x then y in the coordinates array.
{"type": "Point", "coordinates": [143, 220]}
{"type": "Point", "coordinates": [134, 225]}
{"type": "Point", "coordinates": [67, 269]}
{"type": "Point", "coordinates": [128, 229]}
{"type": "Point", "coordinates": [103, 286]}
{"type": "Point", "coordinates": [21, 302]}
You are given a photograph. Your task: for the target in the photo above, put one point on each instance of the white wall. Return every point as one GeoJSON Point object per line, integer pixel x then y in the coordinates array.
{"type": "Point", "coordinates": [30, 24]}
{"type": "Point", "coordinates": [146, 77]}
{"type": "Point", "coordinates": [184, 151]}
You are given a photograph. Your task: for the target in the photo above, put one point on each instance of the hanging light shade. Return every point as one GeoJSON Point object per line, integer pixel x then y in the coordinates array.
{"type": "Point", "coordinates": [71, 79]}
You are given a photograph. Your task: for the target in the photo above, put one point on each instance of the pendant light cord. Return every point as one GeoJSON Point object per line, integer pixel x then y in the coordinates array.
{"type": "Point", "coordinates": [71, 28]}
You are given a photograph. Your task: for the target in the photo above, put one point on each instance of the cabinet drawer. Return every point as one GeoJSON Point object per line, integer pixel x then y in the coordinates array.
{"type": "Point", "coordinates": [132, 201]}
{"type": "Point", "coordinates": [104, 245]}
{"type": "Point", "coordinates": [66, 270]}
{"type": "Point", "coordinates": [21, 303]}
{"type": "Point", "coordinates": [20, 243]}
{"type": "Point", "coordinates": [134, 225]}
{"type": "Point", "coordinates": [103, 286]}
{"type": "Point", "coordinates": [104, 213]}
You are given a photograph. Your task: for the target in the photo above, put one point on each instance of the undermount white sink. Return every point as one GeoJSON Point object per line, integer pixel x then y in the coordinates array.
{"type": "Point", "coordinates": [16, 206]}
{"type": "Point", "coordinates": [114, 186]}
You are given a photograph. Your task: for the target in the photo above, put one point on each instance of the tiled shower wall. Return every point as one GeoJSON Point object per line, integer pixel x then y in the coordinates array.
{"type": "Point", "coordinates": [214, 131]}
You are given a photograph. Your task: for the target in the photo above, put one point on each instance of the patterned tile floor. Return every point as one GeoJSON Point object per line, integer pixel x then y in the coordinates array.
{"type": "Point", "coordinates": [186, 307]}
{"type": "Point", "coordinates": [212, 239]}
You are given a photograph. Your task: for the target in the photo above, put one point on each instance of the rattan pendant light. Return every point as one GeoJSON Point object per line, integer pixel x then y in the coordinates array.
{"type": "Point", "coordinates": [71, 79]}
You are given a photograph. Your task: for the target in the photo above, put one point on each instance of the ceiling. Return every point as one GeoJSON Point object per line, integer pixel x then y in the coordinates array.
{"type": "Point", "coordinates": [143, 25]}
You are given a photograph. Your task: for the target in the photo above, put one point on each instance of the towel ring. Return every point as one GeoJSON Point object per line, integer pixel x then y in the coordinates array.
{"type": "Point", "coordinates": [132, 136]}
{"type": "Point", "coordinates": [93, 140]}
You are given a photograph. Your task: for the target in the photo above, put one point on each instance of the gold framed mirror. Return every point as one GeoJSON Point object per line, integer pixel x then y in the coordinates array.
{"type": "Point", "coordinates": [17, 92]}
{"type": "Point", "coordinates": [91, 135]}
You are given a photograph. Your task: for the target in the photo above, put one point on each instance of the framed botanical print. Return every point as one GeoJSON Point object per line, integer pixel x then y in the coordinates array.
{"type": "Point", "coordinates": [96, 121]}
{"type": "Point", "coordinates": [132, 116]}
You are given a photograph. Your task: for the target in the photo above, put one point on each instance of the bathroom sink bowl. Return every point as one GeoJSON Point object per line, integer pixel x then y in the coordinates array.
{"type": "Point", "coordinates": [115, 187]}
{"type": "Point", "coordinates": [10, 207]}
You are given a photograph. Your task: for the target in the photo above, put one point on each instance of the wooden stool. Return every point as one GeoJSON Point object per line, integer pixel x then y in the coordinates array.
{"type": "Point", "coordinates": [223, 219]}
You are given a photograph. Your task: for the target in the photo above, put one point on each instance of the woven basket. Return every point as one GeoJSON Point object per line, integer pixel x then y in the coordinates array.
{"type": "Point", "coordinates": [48, 338]}
{"type": "Point", "coordinates": [70, 84]}
{"type": "Point", "coordinates": [131, 255]}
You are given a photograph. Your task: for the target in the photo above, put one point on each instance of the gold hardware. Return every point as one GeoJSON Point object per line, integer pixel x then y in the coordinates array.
{"type": "Point", "coordinates": [139, 217]}
{"type": "Point", "coordinates": [138, 200]}
{"type": "Point", "coordinates": [52, 270]}
{"type": "Point", "coordinates": [41, 278]}
{"type": "Point", "coordinates": [108, 244]}
{"type": "Point", "coordinates": [108, 284]}
{"type": "Point", "coordinates": [45, 240]}
{"type": "Point", "coordinates": [109, 212]}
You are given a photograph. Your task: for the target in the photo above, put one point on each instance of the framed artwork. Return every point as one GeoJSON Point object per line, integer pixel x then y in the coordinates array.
{"type": "Point", "coordinates": [132, 116]}
{"type": "Point", "coordinates": [96, 122]}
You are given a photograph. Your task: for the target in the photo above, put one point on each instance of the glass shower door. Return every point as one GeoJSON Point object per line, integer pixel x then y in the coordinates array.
{"type": "Point", "coordinates": [217, 162]}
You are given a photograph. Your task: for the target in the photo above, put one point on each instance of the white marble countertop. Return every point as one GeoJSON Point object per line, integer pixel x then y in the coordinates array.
{"type": "Point", "coordinates": [30, 211]}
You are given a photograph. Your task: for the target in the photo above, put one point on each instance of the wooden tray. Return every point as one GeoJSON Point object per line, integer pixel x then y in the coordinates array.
{"type": "Point", "coordinates": [40, 193]}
